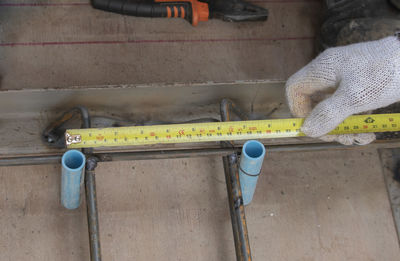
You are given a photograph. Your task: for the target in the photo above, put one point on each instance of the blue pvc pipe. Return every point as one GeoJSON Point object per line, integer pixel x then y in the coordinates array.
{"type": "Point", "coordinates": [251, 161]}
{"type": "Point", "coordinates": [72, 167]}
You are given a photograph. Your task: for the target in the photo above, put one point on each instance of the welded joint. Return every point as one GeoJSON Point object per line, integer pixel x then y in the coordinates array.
{"type": "Point", "coordinates": [91, 163]}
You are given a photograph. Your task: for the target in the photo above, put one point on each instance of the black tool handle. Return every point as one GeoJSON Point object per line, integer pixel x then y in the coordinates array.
{"type": "Point", "coordinates": [180, 9]}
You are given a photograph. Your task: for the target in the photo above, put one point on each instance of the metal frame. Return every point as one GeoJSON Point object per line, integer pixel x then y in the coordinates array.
{"type": "Point", "coordinates": [25, 113]}
{"type": "Point", "coordinates": [236, 206]}
{"type": "Point", "coordinates": [229, 151]}
{"type": "Point", "coordinates": [53, 133]}
{"type": "Point", "coordinates": [187, 153]}
{"type": "Point", "coordinates": [92, 213]}
{"type": "Point", "coordinates": [29, 110]}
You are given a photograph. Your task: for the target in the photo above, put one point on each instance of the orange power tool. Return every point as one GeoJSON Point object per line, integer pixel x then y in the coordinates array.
{"type": "Point", "coordinates": [193, 11]}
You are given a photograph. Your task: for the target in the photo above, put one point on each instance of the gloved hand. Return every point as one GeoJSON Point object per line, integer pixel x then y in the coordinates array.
{"type": "Point", "coordinates": [367, 77]}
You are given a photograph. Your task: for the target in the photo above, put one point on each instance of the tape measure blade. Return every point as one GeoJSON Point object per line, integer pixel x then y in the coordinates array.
{"type": "Point", "coordinates": [369, 123]}
{"type": "Point", "coordinates": [219, 131]}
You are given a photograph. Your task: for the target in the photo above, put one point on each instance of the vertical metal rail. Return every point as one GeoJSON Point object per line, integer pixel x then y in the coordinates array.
{"type": "Point", "coordinates": [53, 135]}
{"type": "Point", "coordinates": [92, 214]}
{"type": "Point", "coordinates": [236, 207]}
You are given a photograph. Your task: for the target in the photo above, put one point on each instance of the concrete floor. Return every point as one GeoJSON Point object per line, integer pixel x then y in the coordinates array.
{"type": "Point", "coordinates": [321, 206]}
{"type": "Point", "coordinates": [308, 206]}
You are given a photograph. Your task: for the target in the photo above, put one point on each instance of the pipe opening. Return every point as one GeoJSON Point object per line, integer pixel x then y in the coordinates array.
{"type": "Point", "coordinates": [254, 149]}
{"type": "Point", "coordinates": [73, 160]}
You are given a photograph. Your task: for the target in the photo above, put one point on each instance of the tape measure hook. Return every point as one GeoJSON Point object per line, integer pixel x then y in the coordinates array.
{"type": "Point", "coordinates": [72, 139]}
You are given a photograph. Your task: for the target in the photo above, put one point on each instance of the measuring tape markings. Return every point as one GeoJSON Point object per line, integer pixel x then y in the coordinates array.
{"type": "Point", "coordinates": [220, 131]}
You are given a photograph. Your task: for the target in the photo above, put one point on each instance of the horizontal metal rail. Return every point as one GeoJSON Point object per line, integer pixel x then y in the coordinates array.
{"type": "Point", "coordinates": [187, 153]}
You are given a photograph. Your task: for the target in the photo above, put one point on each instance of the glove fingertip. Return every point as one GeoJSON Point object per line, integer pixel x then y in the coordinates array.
{"type": "Point", "coordinates": [364, 138]}
{"type": "Point", "coordinates": [312, 129]}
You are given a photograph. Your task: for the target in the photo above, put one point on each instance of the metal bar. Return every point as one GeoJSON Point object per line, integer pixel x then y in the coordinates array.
{"type": "Point", "coordinates": [189, 153]}
{"type": "Point", "coordinates": [90, 189]}
{"type": "Point", "coordinates": [168, 154]}
{"type": "Point", "coordinates": [122, 156]}
{"type": "Point", "coordinates": [236, 206]}
{"type": "Point", "coordinates": [92, 215]}
{"type": "Point", "coordinates": [30, 160]}
{"type": "Point", "coordinates": [228, 106]}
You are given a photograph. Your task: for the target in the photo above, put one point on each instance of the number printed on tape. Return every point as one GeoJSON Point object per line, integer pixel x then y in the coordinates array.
{"type": "Point", "coordinates": [220, 131]}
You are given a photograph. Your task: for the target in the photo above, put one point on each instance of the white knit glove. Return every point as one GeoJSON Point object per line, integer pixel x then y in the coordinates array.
{"type": "Point", "coordinates": [366, 77]}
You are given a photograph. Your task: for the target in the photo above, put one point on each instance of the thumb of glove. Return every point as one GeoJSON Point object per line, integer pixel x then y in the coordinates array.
{"type": "Point", "coordinates": [327, 115]}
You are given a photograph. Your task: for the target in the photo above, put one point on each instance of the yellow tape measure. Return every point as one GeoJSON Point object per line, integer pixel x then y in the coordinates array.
{"type": "Point", "coordinates": [219, 131]}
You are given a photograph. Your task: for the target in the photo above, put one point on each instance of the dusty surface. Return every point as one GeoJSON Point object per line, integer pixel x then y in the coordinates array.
{"type": "Point", "coordinates": [321, 206]}
{"type": "Point", "coordinates": [308, 206]}
{"type": "Point", "coordinates": [391, 172]}
{"type": "Point", "coordinates": [45, 44]}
